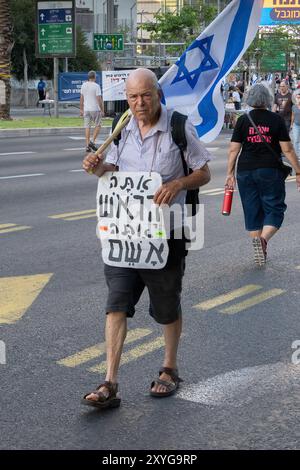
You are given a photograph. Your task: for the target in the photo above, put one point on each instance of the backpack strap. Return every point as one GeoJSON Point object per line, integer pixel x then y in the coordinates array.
{"type": "Point", "coordinates": [178, 135]}
{"type": "Point", "coordinates": [114, 123]}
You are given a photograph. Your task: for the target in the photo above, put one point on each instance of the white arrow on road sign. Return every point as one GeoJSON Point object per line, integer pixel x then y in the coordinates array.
{"type": "Point", "coordinates": [68, 18]}
{"type": "Point", "coordinates": [43, 46]}
{"type": "Point", "coordinates": [69, 30]}
{"type": "Point", "coordinates": [42, 16]}
{"type": "Point", "coordinates": [43, 31]}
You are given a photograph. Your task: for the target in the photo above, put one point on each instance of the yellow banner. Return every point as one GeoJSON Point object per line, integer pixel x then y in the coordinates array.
{"type": "Point", "coordinates": [281, 3]}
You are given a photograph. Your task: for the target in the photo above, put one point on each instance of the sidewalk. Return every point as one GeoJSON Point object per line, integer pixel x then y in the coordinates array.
{"type": "Point", "coordinates": [41, 131]}
{"type": "Point", "coordinates": [22, 113]}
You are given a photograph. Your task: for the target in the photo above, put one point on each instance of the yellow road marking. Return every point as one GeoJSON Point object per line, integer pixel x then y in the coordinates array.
{"type": "Point", "coordinates": [81, 217]}
{"type": "Point", "coordinates": [70, 214]}
{"type": "Point", "coordinates": [99, 349]}
{"type": "Point", "coordinates": [18, 293]}
{"type": "Point", "coordinates": [133, 354]}
{"type": "Point", "coordinates": [257, 299]}
{"type": "Point", "coordinates": [223, 299]}
{"type": "Point", "coordinates": [14, 229]}
{"type": "Point", "coordinates": [7, 225]}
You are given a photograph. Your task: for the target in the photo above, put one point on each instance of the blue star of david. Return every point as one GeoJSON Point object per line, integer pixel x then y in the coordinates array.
{"type": "Point", "coordinates": [207, 63]}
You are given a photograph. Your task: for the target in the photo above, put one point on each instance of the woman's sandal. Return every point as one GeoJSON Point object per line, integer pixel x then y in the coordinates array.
{"type": "Point", "coordinates": [171, 386]}
{"type": "Point", "coordinates": [111, 401]}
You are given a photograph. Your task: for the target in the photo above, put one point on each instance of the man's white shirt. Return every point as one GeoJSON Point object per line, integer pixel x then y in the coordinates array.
{"type": "Point", "coordinates": [90, 91]}
{"type": "Point", "coordinates": [157, 151]}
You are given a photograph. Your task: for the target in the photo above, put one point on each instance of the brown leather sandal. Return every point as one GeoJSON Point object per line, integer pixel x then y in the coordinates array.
{"type": "Point", "coordinates": [171, 386]}
{"type": "Point", "coordinates": [113, 399]}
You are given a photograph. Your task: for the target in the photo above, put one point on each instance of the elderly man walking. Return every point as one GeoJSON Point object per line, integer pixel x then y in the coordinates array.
{"type": "Point", "coordinates": [146, 145]}
{"type": "Point", "coordinates": [91, 107]}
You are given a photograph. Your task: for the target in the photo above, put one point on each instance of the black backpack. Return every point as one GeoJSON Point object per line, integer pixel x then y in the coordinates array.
{"type": "Point", "coordinates": [179, 137]}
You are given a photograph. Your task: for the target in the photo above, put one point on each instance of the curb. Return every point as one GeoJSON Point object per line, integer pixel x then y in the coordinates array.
{"type": "Point", "coordinates": [41, 131]}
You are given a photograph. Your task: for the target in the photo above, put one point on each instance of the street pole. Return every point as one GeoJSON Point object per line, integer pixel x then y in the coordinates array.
{"type": "Point", "coordinates": [133, 36]}
{"type": "Point", "coordinates": [55, 78]}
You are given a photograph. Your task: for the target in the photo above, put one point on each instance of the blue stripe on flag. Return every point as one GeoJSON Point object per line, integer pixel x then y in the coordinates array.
{"type": "Point", "coordinates": [235, 44]}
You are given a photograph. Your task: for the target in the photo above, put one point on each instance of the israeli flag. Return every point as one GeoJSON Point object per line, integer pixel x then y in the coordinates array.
{"type": "Point", "coordinates": [192, 85]}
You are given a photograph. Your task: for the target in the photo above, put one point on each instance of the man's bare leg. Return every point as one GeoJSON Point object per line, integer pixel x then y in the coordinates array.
{"type": "Point", "coordinates": [87, 135]}
{"type": "Point", "coordinates": [172, 333]}
{"type": "Point", "coordinates": [115, 334]}
{"type": "Point", "coordinates": [96, 133]}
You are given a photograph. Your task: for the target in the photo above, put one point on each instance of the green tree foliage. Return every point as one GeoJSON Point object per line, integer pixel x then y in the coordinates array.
{"type": "Point", "coordinates": [6, 44]}
{"type": "Point", "coordinates": [86, 58]}
{"type": "Point", "coordinates": [23, 14]}
{"type": "Point", "coordinates": [270, 41]}
{"type": "Point", "coordinates": [183, 26]}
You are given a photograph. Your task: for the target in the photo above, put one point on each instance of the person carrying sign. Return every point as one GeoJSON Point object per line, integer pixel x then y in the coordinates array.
{"type": "Point", "coordinates": [91, 107]}
{"type": "Point", "coordinates": [146, 145]}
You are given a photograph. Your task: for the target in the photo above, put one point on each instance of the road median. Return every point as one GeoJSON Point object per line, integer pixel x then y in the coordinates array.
{"type": "Point", "coordinates": [41, 131]}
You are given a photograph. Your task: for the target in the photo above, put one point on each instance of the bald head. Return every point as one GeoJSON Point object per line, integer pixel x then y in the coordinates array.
{"type": "Point", "coordinates": [143, 96]}
{"type": "Point", "coordinates": [142, 76]}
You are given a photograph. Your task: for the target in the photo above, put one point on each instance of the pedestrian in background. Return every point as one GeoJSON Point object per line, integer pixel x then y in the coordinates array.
{"type": "Point", "coordinates": [91, 108]}
{"type": "Point", "coordinates": [295, 123]}
{"type": "Point", "coordinates": [41, 88]}
{"type": "Point", "coordinates": [236, 98]}
{"type": "Point", "coordinates": [260, 178]}
{"type": "Point", "coordinates": [283, 104]}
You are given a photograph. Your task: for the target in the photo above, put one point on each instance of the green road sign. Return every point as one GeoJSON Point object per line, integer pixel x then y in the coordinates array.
{"type": "Point", "coordinates": [108, 42]}
{"type": "Point", "coordinates": [55, 35]}
{"type": "Point", "coordinates": [274, 55]}
{"type": "Point", "coordinates": [274, 64]}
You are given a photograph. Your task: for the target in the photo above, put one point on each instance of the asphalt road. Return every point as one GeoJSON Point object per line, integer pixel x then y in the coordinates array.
{"type": "Point", "coordinates": [241, 387]}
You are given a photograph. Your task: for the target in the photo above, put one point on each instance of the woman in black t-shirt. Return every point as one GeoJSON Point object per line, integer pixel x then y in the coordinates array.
{"type": "Point", "coordinates": [260, 178]}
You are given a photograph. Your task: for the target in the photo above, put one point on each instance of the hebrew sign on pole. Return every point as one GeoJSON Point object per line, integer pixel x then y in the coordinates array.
{"type": "Point", "coordinates": [113, 84]}
{"type": "Point", "coordinates": [130, 226]}
{"type": "Point", "coordinates": [55, 29]}
{"type": "Point", "coordinates": [108, 42]}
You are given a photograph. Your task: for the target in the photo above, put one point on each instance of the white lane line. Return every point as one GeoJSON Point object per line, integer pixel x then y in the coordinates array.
{"type": "Point", "coordinates": [15, 153]}
{"type": "Point", "coordinates": [76, 138]}
{"type": "Point", "coordinates": [21, 176]}
{"type": "Point", "coordinates": [207, 191]}
{"type": "Point", "coordinates": [242, 386]}
{"type": "Point", "coordinates": [74, 148]}
{"type": "Point", "coordinates": [75, 171]}
{"type": "Point", "coordinates": [83, 138]}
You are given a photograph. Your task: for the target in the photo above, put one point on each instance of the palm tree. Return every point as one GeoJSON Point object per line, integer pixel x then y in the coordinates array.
{"type": "Point", "coordinates": [6, 45]}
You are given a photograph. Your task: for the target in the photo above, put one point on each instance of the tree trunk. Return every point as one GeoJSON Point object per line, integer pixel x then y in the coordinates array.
{"type": "Point", "coordinates": [6, 45]}
{"type": "Point", "coordinates": [25, 78]}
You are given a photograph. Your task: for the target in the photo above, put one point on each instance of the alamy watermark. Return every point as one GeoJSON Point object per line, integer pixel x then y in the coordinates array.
{"type": "Point", "coordinates": [296, 354]}
{"type": "Point", "coordinates": [2, 353]}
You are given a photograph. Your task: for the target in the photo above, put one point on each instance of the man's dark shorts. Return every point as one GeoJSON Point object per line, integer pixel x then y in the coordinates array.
{"type": "Point", "coordinates": [125, 286]}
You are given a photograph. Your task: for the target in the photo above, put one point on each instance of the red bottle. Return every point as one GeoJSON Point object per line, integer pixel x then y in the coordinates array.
{"type": "Point", "coordinates": [227, 201]}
